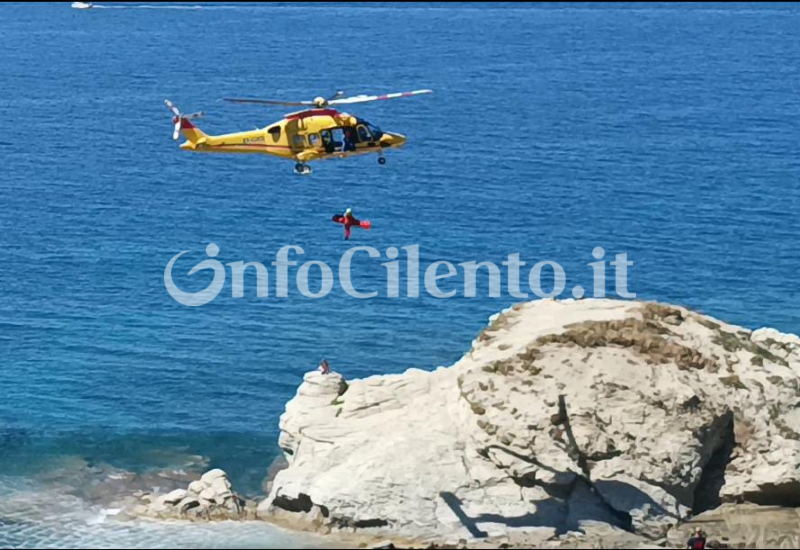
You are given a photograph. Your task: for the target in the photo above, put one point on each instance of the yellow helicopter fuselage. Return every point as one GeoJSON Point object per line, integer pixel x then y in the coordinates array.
{"type": "Point", "coordinates": [314, 134]}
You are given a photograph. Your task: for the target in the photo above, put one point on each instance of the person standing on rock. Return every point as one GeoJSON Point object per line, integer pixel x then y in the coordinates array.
{"type": "Point", "coordinates": [697, 542]}
{"type": "Point", "coordinates": [324, 367]}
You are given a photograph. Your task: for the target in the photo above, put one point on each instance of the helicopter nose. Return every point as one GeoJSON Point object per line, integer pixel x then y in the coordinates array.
{"type": "Point", "coordinates": [393, 140]}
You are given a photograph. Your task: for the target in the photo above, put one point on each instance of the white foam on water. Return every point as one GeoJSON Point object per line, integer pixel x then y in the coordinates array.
{"type": "Point", "coordinates": [147, 7]}
{"type": "Point", "coordinates": [36, 515]}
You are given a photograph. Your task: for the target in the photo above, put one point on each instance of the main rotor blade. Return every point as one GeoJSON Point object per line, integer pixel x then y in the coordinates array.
{"type": "Point", "coordinates": [176, 134]}
{"type": "Point", "coordinates": [368, 98]}
{"type": "Point", "coordinates": [172, 107]}
{"type": "Point", "coordinates": [269, 102]}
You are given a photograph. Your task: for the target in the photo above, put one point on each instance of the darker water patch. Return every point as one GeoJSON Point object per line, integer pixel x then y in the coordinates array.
{"type": "Point", "coordinates": [71, 456]}
{"type": "Point", "coordinates": [12, 439]}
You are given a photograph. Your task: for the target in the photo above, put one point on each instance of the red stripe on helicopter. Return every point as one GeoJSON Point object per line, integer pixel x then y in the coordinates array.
{"type": "Point", "coordinates": [392, 96]}
{"type": "Point", "coordinates": [312, 112]}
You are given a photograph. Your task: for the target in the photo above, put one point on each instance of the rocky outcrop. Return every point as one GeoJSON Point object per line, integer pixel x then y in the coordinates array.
{"type": "Point", "coordinates": [209, 498]}
{"type": "Point", "coordinates": [564, 418]}
{"type": "Point", "coordinates": [742, 526]}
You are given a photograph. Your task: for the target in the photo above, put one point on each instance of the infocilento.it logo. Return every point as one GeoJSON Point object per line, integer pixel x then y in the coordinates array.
{"type": "Point", "coordinates": [517, 276]}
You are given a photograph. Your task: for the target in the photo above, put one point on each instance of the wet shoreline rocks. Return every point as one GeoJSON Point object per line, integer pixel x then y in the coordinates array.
{"type": "Point", "coordinates": [209, 498]}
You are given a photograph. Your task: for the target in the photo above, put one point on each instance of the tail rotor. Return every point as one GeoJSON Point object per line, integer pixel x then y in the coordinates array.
{"type": "Point", "coordinates": [179, 117]}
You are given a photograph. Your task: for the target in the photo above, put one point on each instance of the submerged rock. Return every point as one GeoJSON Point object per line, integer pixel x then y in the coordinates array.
{"type": "Point", "coordinates": [564, 419]}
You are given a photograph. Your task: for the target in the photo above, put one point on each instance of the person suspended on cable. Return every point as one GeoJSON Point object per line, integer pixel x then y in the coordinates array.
{"type": "Point", "coordinates": [348, 220]}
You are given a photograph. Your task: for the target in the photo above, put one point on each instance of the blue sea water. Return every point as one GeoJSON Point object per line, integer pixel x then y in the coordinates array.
{"type": "Point", "coordinates": [667, 132]}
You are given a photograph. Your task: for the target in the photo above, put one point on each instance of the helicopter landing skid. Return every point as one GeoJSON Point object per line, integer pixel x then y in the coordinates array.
{"type": "Point", "coordinates": [302, 169]}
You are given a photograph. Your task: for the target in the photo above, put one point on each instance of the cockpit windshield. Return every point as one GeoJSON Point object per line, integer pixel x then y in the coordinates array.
{"type": "Point", "coordinates": [374, 130]}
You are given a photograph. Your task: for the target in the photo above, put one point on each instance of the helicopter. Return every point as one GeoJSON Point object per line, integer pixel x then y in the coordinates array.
{"type": "Point", "coordinates": [318, 132]}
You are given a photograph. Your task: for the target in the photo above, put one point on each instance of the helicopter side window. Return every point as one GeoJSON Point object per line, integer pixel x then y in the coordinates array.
{"type": "Point", "coordinates": [349, 140]}
{"type": "Point", "coordinates": [337, 136]}
{"type": "Point", "coordinates": [313, 140]}
{"type": "Point", "coordinates": [298, 141]}
{"type": "Point", "coordinates": [275, 133]}
{"type": "Point", "coordinates": [328, 141]}
{"type": "Point", "coordinates": [363, 133]}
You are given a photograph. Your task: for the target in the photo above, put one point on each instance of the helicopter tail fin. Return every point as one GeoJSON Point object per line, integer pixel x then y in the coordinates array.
{"type": "Point", "coordinates": [183, 125]}
{"type": "Point", "coordinates": [192, 133]}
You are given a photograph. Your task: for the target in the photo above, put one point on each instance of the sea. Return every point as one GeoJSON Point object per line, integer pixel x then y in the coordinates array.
{"type": "Point", "coordinates": [669, 133]}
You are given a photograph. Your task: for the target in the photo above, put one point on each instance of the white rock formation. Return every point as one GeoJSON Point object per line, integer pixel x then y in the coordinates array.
{"type": "Point", "coordinates": [209, 498]}
{"type": "Point", "coordinates": [590, 415]}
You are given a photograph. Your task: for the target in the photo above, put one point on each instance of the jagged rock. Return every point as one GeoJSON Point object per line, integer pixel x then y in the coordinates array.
{"type": "Point", "coordinates": [221, 488]}
{"type": "Point", "coordinates": [318, 394]}
{"type": "Point", "coordinates": [209, 498]}
{"type": "Point", "coordinates": [187, 504]}
{"type": "Point", "coordinates": [208, 495]}
{"type": "Point", "coordinates": [573, 416]}
{"type": "Point", "coordinates": [211, 476]}
{"type": "Point", "coordinates": [139, 510]}
{"type": "Point", "coordinates": [196, 487]}
{"type": "Point", "coordinates": [174, 497]}
{"type": "Point", "coordinates": [157, 509]}
{"type": "Point", "coordinates": [742, 526]}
